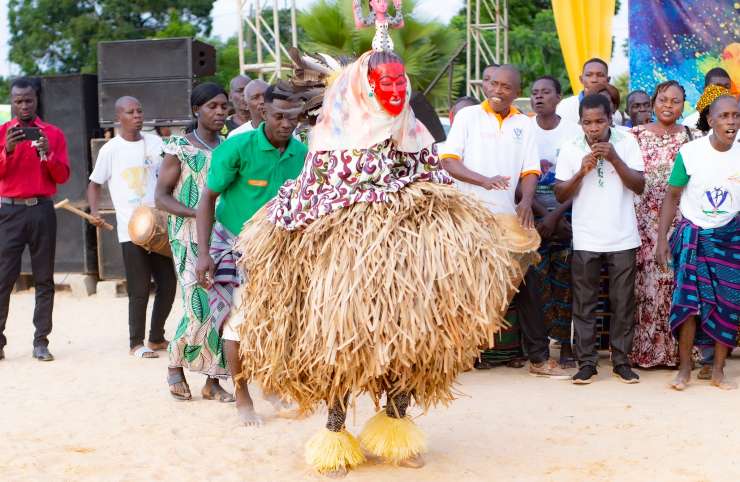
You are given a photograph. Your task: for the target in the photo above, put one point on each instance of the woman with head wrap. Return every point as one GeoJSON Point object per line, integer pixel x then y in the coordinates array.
{"type": "Point", "coordinates": [196, 344]}
{"type": "Point", "coordinates": [710, 94]}
{"type": "Point", "coordinates": [704, 247]}
{"type": "Point", "coordinates": [371, 274]}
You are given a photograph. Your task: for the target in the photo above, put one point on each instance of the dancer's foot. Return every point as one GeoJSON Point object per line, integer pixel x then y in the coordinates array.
{"type": "Point", "coordinates": [213, 391]}
{"type": "Point", "coordinates": [179, 388]}
{"type": "Point", "coordinates": [245, 408]}
{"type": "Point", "coordinates": [282, 408]}
{"type": "Point", "coordinates": [415, 462]}
{"type": "Point", "coordinates": [720, 381]}
{"type": "Point", "coordinates": [682, 380]}
{"type": "Point", "coordinates": [277, 403]}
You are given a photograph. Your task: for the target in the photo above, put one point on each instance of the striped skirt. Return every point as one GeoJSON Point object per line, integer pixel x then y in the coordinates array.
{"type": "Point", "coordinates": [226, 277]}
{"type": "Point", "coordinates": [707, 276]}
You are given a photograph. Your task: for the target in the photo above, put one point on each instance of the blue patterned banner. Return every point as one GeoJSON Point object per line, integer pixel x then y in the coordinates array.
{"type": "Point", "coordinates": [682, 40]}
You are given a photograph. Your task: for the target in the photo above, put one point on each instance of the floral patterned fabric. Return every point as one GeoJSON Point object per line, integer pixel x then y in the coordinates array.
{"type": "Point", "coordinates": [196, 344]}
{"type": "Point", "coordinates": [654, 345]}
{"type": "Point", "coordinates": [331, 180]}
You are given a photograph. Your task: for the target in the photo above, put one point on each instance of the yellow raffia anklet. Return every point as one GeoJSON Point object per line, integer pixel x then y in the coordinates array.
{"type": "Point", "coordinates": [393, 439]}
{"type": "Point", "coordinates": [329, 451]}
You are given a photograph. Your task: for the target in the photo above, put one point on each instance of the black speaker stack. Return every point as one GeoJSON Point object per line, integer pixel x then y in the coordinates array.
{"type": "Point", "coordinates": [160, 73]}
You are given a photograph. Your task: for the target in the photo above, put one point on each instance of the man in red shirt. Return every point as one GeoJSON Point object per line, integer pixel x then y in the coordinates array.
{"type": "Point", "coordinates": [33, 160]}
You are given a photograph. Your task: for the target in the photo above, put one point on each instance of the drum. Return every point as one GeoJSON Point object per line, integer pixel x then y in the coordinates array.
{"type": "Point", "coordinates": [517, 238]}
{"type": "Point", "coordinates": [148, 229]}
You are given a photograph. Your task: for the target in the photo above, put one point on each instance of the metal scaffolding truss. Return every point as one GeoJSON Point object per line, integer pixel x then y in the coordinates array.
{"type": "Point", "coordinates": [268, 45]}
{"type": "Point", "coordinates": [479, 52]}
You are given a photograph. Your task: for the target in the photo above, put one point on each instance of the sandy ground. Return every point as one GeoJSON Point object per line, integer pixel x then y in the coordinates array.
{"type": "Point", "coordinates": [97, 413]}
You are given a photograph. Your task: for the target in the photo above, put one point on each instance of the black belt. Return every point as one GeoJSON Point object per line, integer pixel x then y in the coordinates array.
{"type": "Point", "coordinates": [19, 201]}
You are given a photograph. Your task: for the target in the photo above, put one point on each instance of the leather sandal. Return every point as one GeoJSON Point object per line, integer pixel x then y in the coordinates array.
{"type": "Point", "coordinates": [174, 379]}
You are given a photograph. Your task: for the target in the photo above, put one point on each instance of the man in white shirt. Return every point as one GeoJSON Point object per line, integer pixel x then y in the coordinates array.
{"type": "Point", "coordinates": [639, 108]}
{"type": "Point", "coordinates": [491, 150]}
{"type": "Point", "coordinates": [254, 98]}
{"type": "Point", "coordinates": [601, 171]}
{"type": "Point", "coordinates": [129, 164]}
{"type": "Point", "coordinates": [595, 78]}
{"type": "Point", "coordinates": [553, 218]}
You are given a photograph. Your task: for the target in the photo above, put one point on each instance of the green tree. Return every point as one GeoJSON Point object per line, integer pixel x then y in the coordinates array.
{"type": "Point", "coordinates": [425, 47]}
{"type": "Point", "coordinates": [176, 27]}
{"type": "Point", "coordinates": [60, 36]}
{"type": "Point", "coordinates": [533, 40]}
{"type": "Point", "coordinates": [535, 49]}
{"type": "Point", "coordinates": [622, 83]}
{"type": "Point", "coordinates": [4, 90]}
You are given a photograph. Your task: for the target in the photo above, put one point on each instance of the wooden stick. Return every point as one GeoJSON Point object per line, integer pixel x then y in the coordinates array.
{"type": "Point", "coordinates": [64, 204]}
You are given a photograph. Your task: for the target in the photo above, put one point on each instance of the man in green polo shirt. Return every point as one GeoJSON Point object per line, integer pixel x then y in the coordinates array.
{"type": "Point", "coordinates": [245, 173]}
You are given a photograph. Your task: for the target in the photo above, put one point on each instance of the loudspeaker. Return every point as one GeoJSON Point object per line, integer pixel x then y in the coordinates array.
{"type": "Point", "coordinates": [157, 72]}
{"type": "Point", "coordinates": [110, 256]}
{"type": "Point", "coordinates": [75, 249]}
{"type": "Point", "coordinates": [70, 102]}
{"type": "Point", "coordinates": [165, 102]}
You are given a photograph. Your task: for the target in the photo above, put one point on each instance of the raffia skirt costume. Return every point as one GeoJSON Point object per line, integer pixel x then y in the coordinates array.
{"type": "Point", "coordinates": [370, 273]}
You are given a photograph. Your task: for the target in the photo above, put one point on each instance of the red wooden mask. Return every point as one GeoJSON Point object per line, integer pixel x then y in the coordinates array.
{"type": "Point", "coordinates": [388, 82]}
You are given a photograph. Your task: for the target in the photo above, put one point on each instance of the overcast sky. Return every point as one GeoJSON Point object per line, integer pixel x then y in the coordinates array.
{"type": "Point", "coordinates": [225, 24]}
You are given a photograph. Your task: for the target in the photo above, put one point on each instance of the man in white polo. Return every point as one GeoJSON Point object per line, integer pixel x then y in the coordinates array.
{"type": "Point", "coordinates": [595, 78]}
{"type": "Point", "coordinates": [490, 150]}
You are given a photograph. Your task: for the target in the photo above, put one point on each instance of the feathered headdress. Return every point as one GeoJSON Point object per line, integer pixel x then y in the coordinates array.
{"type": "Point", "coordinates": [312, 74]}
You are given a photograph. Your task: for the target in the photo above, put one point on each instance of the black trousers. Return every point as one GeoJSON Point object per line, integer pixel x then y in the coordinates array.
{"type": "Point", "coordinates": [140, 267]}
{"type": "Point", "coordinates": [586, 266]}
{"type": "Point", "coordinates": [531, 319]}
{"type": "Point", "coordinates": [35, 227]}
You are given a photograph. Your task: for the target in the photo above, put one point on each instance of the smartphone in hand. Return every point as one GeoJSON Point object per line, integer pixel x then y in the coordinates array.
{"type": "Point", "coordinates": [31, 133]}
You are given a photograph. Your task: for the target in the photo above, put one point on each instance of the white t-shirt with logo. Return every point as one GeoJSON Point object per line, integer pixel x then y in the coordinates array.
{"type": "Point", "coordinates": [712, 197]}
{"type": "Point", "coordinates": [548, 146]}
{"type": "Point", "coordinates": [604, 217]}
{"type": "Point", "coordinates": [131, 170]}
{"type": "Point", "coordinates": [492, 149]}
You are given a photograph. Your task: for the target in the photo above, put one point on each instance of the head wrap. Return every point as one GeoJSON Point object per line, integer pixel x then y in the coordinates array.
{"type": "Point", "coordinates": [352, 119]}
{"type": "Point", "coordinates": [710, 94]}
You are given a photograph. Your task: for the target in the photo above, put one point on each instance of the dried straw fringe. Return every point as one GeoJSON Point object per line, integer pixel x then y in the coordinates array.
{"type": "Point", "coordinates": [378, 295]}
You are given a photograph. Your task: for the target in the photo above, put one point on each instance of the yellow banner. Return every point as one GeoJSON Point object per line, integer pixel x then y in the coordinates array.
{"type": "Point", "coordinates": [585, 31]}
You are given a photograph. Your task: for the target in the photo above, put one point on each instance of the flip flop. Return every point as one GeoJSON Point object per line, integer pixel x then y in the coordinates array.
{"type": "Point", "coordinates": [142, 351]}
{"type": "Point", "coordinates": [173, 380]}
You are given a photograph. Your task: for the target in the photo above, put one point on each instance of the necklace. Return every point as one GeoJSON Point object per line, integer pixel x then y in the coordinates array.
{"type": "Point", "coordinates": [205, 144]}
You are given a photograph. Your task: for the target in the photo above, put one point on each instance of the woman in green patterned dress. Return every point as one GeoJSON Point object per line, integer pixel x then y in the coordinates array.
{"type": "Point", "coordinates": [196, 344]}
